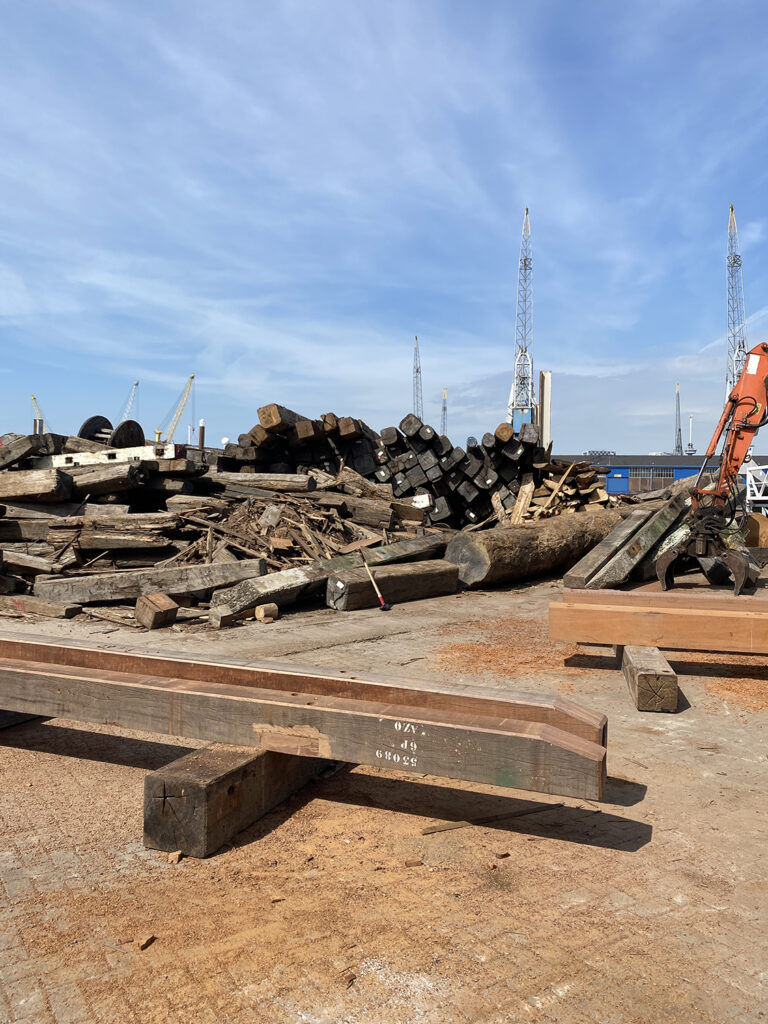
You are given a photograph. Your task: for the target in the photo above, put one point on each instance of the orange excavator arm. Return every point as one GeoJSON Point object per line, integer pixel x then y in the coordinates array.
{"type": "Point", "coordinates": [743, 415]}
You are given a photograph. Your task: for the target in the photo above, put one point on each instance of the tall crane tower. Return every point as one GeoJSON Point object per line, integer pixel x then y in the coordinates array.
{"type": "Point", "coordinates": [737, 321]}
{"type": "Point", "coordinates": [444, 414]}
{"type": "Point", "coordinates": [678, 432]}
{"type": "Point", "coordinates": [418, 400]}
{"type": "Point", "coordinates": [522, 401]}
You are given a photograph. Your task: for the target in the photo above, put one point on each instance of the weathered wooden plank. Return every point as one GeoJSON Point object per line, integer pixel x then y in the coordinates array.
{"type": "Point", "coordinates": [598, 556]}
{"type": "Point", "coordinates": [524, 496]}
{"type": "Point", "coordinates": [19, 449]}
{"type": "Point", "coordinates": [352, 589]}
{"type": "Point", "coordinates": [288, 586]}
{"type": "Point", "coordinates": [25, 565]}
{"type": "Point", "coordinates": [23, 529]}
{"type": "Point", "coordinates": [202, 800]}
{"type": "Point", "coordinates": [25, 604]}
{"type": "Point", "coordinates": [124, 585]}
{"type": "Point", "coordinates": [618, 568]}
{"type": "Point", "coordinates": [109, 479]}
{"type": "Point", "coordinates": [35, 485]}
{"type": "Point", "coordinates": [266, 481]}
{"type": "Point", "coordinates": [664, 626]}
{"type": "Point", "coordinates": [650, 678]}
{"type": "Point", "coordinates": [503, 752]}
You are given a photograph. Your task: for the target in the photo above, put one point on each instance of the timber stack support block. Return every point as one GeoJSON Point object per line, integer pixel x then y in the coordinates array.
{"type": "Point", "coordinates": [651, 680]}
{"type": "Point", "coordinates": [202, 800]}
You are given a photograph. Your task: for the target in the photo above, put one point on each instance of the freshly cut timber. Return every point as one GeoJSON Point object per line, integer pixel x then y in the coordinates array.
{"type": "Point", "coordinates": [352, 589]}
{"type": "Point", "coordinates": [518, 552]}
{"type": "Point", "coordinates": [543, 744]}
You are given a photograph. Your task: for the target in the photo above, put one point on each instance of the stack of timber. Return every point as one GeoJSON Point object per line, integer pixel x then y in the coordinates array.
{"type": "Point", "coordinates": [290, 513]}
{"type": "Point", "coordinates": [283, 441]}
{"type": "Point", "coordinates": [506, 478]}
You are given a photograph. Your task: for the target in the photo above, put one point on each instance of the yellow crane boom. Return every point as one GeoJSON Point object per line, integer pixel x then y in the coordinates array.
{"type": "Point", "coordinates": [177, 414]}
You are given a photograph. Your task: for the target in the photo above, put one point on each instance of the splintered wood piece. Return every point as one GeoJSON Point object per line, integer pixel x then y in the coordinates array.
{"type": "Point", "coordinates": [524, 498]}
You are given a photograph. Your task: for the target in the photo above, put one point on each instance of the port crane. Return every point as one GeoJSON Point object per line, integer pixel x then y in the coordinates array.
{"type": "Point", "coordinates": [129, 403]}
{"type": "Point", "coordinates": [176, 417]}
{"type": "Point", "coordinates": [38, 413]}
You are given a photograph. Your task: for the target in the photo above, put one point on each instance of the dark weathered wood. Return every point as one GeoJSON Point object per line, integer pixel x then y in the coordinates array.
{"type": "Point", "coordinates": [125, 585]}
{"type": "Point", "coordinates": [352, 589]}
{"type": "Point", "coordinates": [651, 680]}
{"type": "Point", "coordinates": [109, 479]}
{"type": "Point", "coordinates": [19, 449]}
{"type": "Point", "coordinates": [23, 529]}
{"type": "Point", "coordinates": [618, 568]}
{"type": "Point", "coordinates": [278, 419]}
{"type": "Point", "coordinates": [513, 553]}
{"type": "Point", "coordinates": [265, 481]}
{"type": "Point", "coordinates": [598, 556]}
{"type": "Point", "coordinates": [495, 750]}
{"type": "Point", "coordinates": [286, 587]}
{"type": "Point", "coordinates": [154, 611]}
{"type": "Point", "coordinates": [410, 425]}
{"type": "Point", "coordinates": [35, 485]}
{"type": "Point", "coordinates": [392, 437]}
{"type": "Point", "coordinates": [201, 801]}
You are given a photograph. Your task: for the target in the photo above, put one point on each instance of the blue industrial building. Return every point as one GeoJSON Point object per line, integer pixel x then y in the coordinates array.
{"type": "Point", "coordinates": [634, 474]}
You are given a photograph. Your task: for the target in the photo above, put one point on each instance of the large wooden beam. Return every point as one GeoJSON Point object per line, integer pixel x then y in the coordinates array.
{"type": "Point", "coordinates": [525, 743]}
{"type": "Point", "coordinates": [603, 552]}
{"type": "Point", "coordinates": [664, 624]}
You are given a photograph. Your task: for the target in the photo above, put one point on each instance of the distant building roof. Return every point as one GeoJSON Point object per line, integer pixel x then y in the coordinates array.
{"type": "Point", "coordinates": [678, 461]}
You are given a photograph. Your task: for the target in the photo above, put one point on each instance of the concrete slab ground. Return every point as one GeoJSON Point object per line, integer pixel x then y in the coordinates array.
{"type": "Point", "coordinates": [650, 907]}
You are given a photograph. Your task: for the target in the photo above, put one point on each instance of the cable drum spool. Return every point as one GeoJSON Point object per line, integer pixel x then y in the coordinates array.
{"type": "Point", "coordinates": [128, 434]}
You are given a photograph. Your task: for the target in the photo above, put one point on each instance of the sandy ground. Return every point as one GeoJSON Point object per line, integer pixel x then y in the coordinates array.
{"type": "Point", "coordinates": [652, 906]}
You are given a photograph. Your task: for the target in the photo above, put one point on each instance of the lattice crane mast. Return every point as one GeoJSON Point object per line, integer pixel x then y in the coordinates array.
{"type": "Point", "coordinates": [522, 401]}
{"type": "Point", "coordinates": [177, 413]}
{"type": "Point", "coordinates": [129, 403]}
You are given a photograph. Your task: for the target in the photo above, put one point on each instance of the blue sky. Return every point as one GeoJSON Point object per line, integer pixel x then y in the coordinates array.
{"type": "Point", "coordinates": [278, 196]}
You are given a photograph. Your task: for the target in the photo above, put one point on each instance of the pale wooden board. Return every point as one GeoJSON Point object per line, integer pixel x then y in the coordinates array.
{"type": "Point", "coordinates": [670, 628]}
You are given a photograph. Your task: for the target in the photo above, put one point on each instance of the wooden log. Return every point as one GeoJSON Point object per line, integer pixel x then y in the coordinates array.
{"type": "Point", "coordinates": [194, 503]}
{"type": "Point", "coordinates": [514, 553]}
{"type": "Point", "coordinates": [286, 587]}
{"type": "Point", "coordinates": [19, 449]}
{"type": "Point", "coordinates": [651, 680]}
{"type": "Point", "coordinates": [277, 419]}
{"type": "Point", "coordinates": [173, 580]}
{"type": "Point", "coordinates": [349, 724]}
{"type": "Point", "coordinates": [598, 556]}
{"type": "Point", "coordinates": [99, 519]}
{"type": "Point", "coordinates": [618, 568]}
{"type": "Point", "coordinates": [349, 428]}
{"type": "Point", "coordinates": [283, 482]}
{"type": "Point", "coordinates": [529, 434]}
{"type": "Point", "coordinates": [35, 485]}
{"type": "Point", "coordinates": [201, 801]}
{"type": "Point", "coordinates": [109, 479]}
{"type": "Point", "coordinates": [504, 433]}
{"type": "Point", "coordinates": [78, 445]}
{"type": "Point", "coordinates": [392, 438]}
{"type": "Point", "coordinates": [266, 613]}
{"type": "Point", "coordinates": [416, 477]}
{"type": "Point", "coordinates": [352, 589]}
{"type": "Point", "coordinates": [330, 423]}
{"type": "Point", "coordinates": [25, 604]}
{"type": "Point", "coordinates": [155, 611]}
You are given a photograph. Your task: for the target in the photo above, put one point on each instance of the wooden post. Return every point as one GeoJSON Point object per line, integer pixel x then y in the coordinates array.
{"type": "Point", "coordinates": [651, 680]}
{"type": "Point", "coordinates": [202, 800]}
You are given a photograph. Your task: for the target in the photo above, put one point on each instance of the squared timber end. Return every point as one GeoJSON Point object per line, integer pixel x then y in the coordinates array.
{"type": "Point", "coordinates": [651, 680]}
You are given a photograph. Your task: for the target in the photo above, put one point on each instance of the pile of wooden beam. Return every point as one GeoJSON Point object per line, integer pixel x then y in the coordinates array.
{"type": "Point", "coordinates": [507, 477]}
{"type": "Point", "coordinates": [284, 441]}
